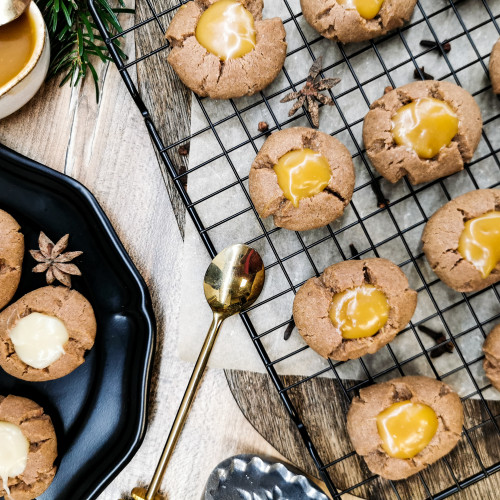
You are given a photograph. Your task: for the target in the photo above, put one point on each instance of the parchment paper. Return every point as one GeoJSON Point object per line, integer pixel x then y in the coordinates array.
{"type": "Point", "coordinates": [234, 348]}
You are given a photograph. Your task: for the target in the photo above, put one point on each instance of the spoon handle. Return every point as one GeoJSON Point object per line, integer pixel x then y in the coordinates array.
{"type": "Point", "coordinates": [185, 405]}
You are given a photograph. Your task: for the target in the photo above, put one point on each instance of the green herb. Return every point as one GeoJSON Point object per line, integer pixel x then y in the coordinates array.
{"type": "Point", "coordinates": [74, 38]}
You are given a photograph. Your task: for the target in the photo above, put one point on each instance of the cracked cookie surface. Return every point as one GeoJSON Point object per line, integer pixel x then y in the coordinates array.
{"type": "Point", "coordinates": [11, 257]}
{"type": "Point", "coordinates": [37, 428]}
{"type": "Point", "coordinates": [205, 74]}
{"type": "Point", "coordinates": [315, 211]}
{"type": "Point", "coordinates": [491, 363]}
{"type": "Point", "coordinates": [495, 67]}
{"type": "Point", "coordinates": [335, 22]}
{"type": "Point", "coordinates": [362, 423]}
{"type": "Point", "coordinates": [442, 234]}
{"type": "Point", "coordinates": [393, 161]}
{"type": "Point", "coordinates": [69, 306]}
{"type": "Point", "coordinates": [313, 300]}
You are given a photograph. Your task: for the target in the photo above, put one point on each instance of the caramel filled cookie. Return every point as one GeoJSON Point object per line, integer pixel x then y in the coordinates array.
{"type": "Point", "coordinates": [28, 448]}
{"type": "Point", "coordinates": [401, 426]}
{"type": "Point", "coordinates": [354, 308]}
{"type": "Point", "coordinates": [11, 257]}
{"type": "Point", "coordinates": [495, 67]}
{"type": "Point", "coordinates": [44, 335]}
{"type": "Point", "coordinates": [224, 49]}
{"type": "Point", "coordinates": [303, 178]}
{"type": "Point", "coordinates": [425, 130]}
{"type": "Point", "coordinates": [356, 20]}
{"type": "Point", "coordinates": [491, 363]}
{"type": "Point", "coordinates": [462, 241]}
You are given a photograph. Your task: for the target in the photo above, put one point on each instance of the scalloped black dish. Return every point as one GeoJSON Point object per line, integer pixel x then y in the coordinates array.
{"type": "Point", "coordinates": [99, 410]}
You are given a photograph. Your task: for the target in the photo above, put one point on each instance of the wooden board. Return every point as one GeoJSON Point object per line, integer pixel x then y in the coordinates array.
{"type": "Point", "coordinates": [323, 407]}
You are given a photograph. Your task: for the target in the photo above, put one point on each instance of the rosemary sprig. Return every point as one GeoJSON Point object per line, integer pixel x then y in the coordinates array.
{"type": "Point", "coordinates": [74, 37]}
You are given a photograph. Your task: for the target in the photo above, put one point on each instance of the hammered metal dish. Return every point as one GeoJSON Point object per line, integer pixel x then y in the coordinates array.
{"type": "Point", "coordinates": [251, 477]}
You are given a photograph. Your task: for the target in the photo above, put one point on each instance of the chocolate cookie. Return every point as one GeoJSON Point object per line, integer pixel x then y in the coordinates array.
{"type": "Point", "coordinates": [41, 447]}
{"type": "Point", "coordinates": [313, 211]}
{"type": "Point", "coordinates": [441, 238]}
{"type": "Point", "coordinates": [341, 21]}
{"type": "Point", "coordinates": [312, 307]}
{"type": "Point", "coordinates": [491, 363]}
{"type": "Point", "coordinates": [205, 73]}
{"type": "Point", "coordinates": [11, 257]}
{"type": "Point", "coordinates": [363, 426]}
{"type": "Point", "coordinates": [70, 315]}
{"type": "Point", "coordinates": [495, 67]}
{"type": "Point", "coordinates": [393, 160]}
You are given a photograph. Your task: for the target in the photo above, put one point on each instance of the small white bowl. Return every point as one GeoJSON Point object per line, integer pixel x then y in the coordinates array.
{"type": "Point", "coordinates": [18, 91]}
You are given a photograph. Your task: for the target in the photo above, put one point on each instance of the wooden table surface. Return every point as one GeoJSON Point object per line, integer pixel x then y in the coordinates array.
{"type": "Point", "coordinates": [106, 147]}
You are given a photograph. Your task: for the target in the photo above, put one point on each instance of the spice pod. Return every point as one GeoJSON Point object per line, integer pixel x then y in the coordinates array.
{"type": "Point", "coordinates": [259, 478]}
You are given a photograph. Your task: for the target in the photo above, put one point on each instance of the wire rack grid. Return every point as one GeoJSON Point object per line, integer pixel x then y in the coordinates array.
{"type": "Point", "coordinates": [482, 172]}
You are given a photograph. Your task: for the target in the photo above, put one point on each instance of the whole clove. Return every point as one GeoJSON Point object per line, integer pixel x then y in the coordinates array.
{"type": "Point", "coordinates": [425, 75]}
{"type": "Point", "coordinates": [382, 201]}
{"type": "Point", "coordinates": [354, 252]}
{"type": "Point", "coordinates": [439, 338]}
{"type": "Point", "coordinates": [184, 149]}
{"type": "Point", "coordinates": [289, 329]}
{"type": "Point", "coordinates": [184, 180]}
{"type": "Point", "coordinates": [263, 127]}
{"type": "Point", "coordinates": [431, 44]}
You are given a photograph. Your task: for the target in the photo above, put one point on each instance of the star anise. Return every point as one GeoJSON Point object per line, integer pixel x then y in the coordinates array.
{"type": "Point", "coordinates": [53, 261]}
{"type": "Point", "coordinates": [309, 95]}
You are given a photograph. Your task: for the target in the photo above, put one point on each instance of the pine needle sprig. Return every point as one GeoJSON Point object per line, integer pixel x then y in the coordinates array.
{"type": "Point", "coordinates": [75, 40]}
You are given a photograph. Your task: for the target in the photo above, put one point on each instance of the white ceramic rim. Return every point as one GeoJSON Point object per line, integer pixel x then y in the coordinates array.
{"type": "Point", "coordinates": [40, 28]}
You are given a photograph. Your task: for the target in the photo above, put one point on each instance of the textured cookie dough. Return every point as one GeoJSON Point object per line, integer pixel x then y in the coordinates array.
{"type": "Point", "coordinates": [72, 308]}
{"type": "Point", "coordinates": [312, 304]}
{"type": "Point", "coordinates": [38, 430]}
{"type": "Point", "coordinates": [393, 161]}
{"type": "Point", "coordinates": [442, 234]}
{"type": "Point", "coordinates": [11, 257]}
{"type": "Point", "coordinates": [205, 74]}
{"type": "Point", "coordinates": [333, 21]}
{"type": "Point", "coordinates": [495, 67]}
{"type": "Point", "coordinates": [491, 363]}
{"type": "Point", "coordinates": [316, 211]}
{"type": "Point", "coordinates": [362, 423]}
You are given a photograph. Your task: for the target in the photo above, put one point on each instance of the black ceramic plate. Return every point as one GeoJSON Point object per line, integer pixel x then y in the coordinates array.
{"type": "Point", "coordinates": [99, 410]}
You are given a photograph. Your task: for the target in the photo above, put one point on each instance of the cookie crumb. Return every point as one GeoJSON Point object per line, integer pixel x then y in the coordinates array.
{"type": "Point", "coordinates": [388, 89]}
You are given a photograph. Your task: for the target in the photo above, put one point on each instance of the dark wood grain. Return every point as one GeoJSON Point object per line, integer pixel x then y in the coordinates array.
{"type": "Point", "coordinates": [323, 407]}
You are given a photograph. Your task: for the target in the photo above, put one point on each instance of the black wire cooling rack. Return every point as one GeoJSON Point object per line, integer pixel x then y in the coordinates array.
{"type": "Point", "coordinates": [482, 172]}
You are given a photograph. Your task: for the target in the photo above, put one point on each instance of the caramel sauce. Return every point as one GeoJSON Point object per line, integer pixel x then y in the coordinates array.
{"type": "Point", "coordinates": [406, 428]}
{"type": "Point", "coordinates": [426, 125]}
{"type": "Point", "coordinates": [17, 43]}
{"type": "Point", "coordinates": [227, 30]}
{"type": "Point", "coordinates": [479, 242]}
{"type": "Point", "coordinates": [359, 312]}
{"type": "Point", "coordinates": [367, 9]}
{"type": "Point", "coordinates": [302, 173]}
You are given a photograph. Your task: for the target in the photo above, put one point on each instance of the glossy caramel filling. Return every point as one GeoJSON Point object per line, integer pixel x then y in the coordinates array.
{"type": "Point", "coordinates": [302, 174]}
{"type": "Point", "coordinates": [227, 30]}
{"type": "Point", "coordinates": [479, 242]}
{"type": "Point", "coordinates": [359, 312]}
{"type": "Point", "coordinates": [17, 43]}
{"type": "Point", "coordinates": [406, 428]}
{"type": "Point", "coordinates": [366, 8]}
{"type": "Point", "coordinates": [426, 125]}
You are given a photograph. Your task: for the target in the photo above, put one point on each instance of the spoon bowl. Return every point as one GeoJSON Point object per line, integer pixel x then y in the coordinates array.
{"type": "Point", "coordinates": [233, 281]}
{"type": "Point", "coordinates": [10, 10]}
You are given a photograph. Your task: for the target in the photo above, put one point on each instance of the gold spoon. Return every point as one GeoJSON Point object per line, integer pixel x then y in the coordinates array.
{"type": "Point", "coordinates": [233, 281]}
{"type": "Point", "coordinates": [12, 9]}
